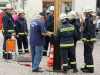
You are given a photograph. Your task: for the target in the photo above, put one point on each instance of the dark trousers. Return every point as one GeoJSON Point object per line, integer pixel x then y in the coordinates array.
{"type": "Point", "coordinates": [5, 53]}
{"type": "Point", "coordinates": [88, 58]}
{"type": "Point", "coordinates": [72, 55]}
{"type": "Point", "coordinates": [47, 40]}
{"type": "Point", "coordinates": [64, 57]}
{"type": "Point", "coordinates": [22, 40]}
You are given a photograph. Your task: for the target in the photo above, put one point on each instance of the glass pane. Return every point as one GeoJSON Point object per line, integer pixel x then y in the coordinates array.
{"type": "Point", "coordinates": [66, 7]}
{"type": "Point", "coordinates": [46, 6]}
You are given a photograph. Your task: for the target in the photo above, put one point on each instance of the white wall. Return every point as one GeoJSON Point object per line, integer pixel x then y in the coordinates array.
{"type": "Point", "coordinates": [32, 8]}
{"type": "Point", "coordinates": [77, 5]}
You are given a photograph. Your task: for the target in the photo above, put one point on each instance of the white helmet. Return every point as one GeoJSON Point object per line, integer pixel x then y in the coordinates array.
{"type": "Point", "coordinates": [52, 8]}
{"type": "Point", "coordinates": [62, 16]}
{"type": "Point", "coordinates": [72, 15]}
{"type": "Point", "coordinates": [20, 11]}
{"type": "Point", "coordinates": [48, 11]}
{"type": "Point", "coordinates": [8, 6]}
{"type": "Point", "coordinates": [87, 9]}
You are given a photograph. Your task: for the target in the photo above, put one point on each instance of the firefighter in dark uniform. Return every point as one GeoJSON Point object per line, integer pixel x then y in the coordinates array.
{"type": "Point", "coordinates": [89, 37]}
{"type": "Point", "coordinates": [8, 29]}
{"type": "Point", "coordinates": [22, 32]}
{"type": "Point", "coordinates": [50, 29]}
{"type": "Point", "coordinates": [66, 33]}
{"type": "Point", "coordinates": [73, 20]}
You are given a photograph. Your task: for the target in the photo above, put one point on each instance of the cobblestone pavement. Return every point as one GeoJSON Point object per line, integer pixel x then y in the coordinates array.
{"type": "Point", "coordinates": [13, 68]}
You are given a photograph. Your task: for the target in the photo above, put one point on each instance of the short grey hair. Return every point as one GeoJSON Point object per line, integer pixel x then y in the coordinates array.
{"type": "Point", "coordinates": [39, 16]}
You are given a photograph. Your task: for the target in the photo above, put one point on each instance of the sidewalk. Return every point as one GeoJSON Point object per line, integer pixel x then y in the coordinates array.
{"type": "Point", "coordinates": [13, 68]}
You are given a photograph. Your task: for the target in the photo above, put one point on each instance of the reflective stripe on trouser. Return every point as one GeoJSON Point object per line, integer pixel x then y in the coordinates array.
{"type": "Point", "coordinates": [88, 58]}
{"type": "Point", "coordinates": [47, 40]}
{"type": "Point", "coordinates": [64, 57]}
{"type": "Point", "coordinates": [22, 40]}
{"type": "Point", "coordinates": [20, 51]}
{"type": "Point", "coordinates": [72, 56]}
{"type": "Point", "coordinates": [44, 50]}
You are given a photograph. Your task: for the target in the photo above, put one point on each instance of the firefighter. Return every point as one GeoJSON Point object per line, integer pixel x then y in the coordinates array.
{"type": "Point", "coordinates": [22, 32]}
{"type": "Point", "coordinates": [73, 20]}
{"type": "Point", "coordinates": [50, 29]}
{"type": "Point", "coordinates": [66, 33]}
{"type": "Point", "coordinates": [8, 29]}
{"type": "Point", "coordinates": [89, 38]}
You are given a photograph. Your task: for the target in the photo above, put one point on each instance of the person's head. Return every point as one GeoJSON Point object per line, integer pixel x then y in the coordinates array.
{"type": "Point", "coordinates": [8, 8]}
{"type": "Point", "coordinates": [63, 18]}
{"type": "Point", "coordinates": [12, 12]}
{"type": "Point", "coordinates": [87, 11]}
{"type": "Point", "coordinates": [21, 13]}
{"type": "Point", "coordinates": [51, 10]}
{"type": "Point", "coordinates": [72, 15]}
{"type": "Point", "coordinates": [42, 16]}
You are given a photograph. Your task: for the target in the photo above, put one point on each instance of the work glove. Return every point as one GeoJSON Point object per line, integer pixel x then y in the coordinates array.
{"type": "Point", "coordinates": [17, 36]}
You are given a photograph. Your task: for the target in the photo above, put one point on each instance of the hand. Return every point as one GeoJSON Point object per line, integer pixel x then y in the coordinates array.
{"type": "Point", "coordinates": [49, 35]}
{"type": "Point", "coordinates": [26, 34]}
{"type": "Point", "coordinates": [14, 34]}
{"type": "Point", "coordinates": [17, 36]}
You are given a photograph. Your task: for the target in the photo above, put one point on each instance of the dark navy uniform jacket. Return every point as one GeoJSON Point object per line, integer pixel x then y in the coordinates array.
{"type": "Point", "coordinates": [89, 29]}
{"type": "Point", "coordinates": [8, 23]}
{"type": "Point", "coordinates": [77, 26]}
{"type": "Point", "coordinates": [66, 33]}
{"type": "Point", "coordinates": [49, 25]}
{"type": "Point", "coordinates": [21, 26]}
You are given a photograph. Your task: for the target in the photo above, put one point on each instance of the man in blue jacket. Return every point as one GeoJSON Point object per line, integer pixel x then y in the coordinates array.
{"type": "Point", "coordinates": [89, 37]}
{"type": "Point", "coordinates": [8, 29]}
{"type": "Point", "coordinates": [37, 40]}
{"type": "Point", "coordinates": [66, 33]}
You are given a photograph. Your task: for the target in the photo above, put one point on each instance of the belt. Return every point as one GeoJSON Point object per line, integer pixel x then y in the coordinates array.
{"type": "Point", "coordinates": [21, 33]}
{"type": "Point", "coordinates": [92, 39]}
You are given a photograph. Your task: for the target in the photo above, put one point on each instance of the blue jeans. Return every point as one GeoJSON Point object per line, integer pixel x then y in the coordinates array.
{"type": "Point", "coordinates": [36, 52]}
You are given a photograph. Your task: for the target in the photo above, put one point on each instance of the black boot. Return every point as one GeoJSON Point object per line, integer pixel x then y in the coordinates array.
{"type": "Point", "coordinates": [44, 53]}
{"type": "Point", "coordinates": [87, 71]}
{"type": "Point", "coordinates": [8, 56]}
{"type": "Point", "coordinates": [65, 72]}
{"type": "Point", "coordinates": [83, 68]}
{"type": "Point", "coordinates": [75, 70]}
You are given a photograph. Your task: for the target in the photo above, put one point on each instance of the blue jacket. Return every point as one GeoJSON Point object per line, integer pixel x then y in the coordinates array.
{"type": "Point", "coordinates": [8, 23]}
{"type": "Point", "coordinates": [49, 25]}
{"type": "Point", "coordinates": [77, 26]}
{"type": "Point", "coordinates": [89, 30]}
{"type": "Point", "coordinates": [21, 26]}
{"type": "Point", "coordinates": [66, 33]}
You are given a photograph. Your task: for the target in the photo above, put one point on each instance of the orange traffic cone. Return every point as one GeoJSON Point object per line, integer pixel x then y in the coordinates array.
{"type": "Point", "coordinates": [50, 60]}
